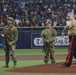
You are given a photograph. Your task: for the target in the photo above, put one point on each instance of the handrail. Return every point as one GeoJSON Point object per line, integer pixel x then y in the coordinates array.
{"type": "Point", "coordinates": [38, 27]}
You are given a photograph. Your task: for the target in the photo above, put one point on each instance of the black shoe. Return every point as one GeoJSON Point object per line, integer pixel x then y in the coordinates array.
{"type": "Point", "coordinates": [45, 61]}
{"type": "Point", "coordinates": [65, 65]}
{"type": "Point", "coordinates": [75, 63]}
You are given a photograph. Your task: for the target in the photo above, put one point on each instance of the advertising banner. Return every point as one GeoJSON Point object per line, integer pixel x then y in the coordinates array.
{"type": "Point", "coordinates": [36, 40]}
{"type": "Point", "coordinates": [1, 42]}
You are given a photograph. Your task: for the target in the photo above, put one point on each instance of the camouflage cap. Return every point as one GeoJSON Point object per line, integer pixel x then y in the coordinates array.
{"type": "Point", "coordinates": [10, 18]}
{"type": "Point", "coordinates": [48, 21]}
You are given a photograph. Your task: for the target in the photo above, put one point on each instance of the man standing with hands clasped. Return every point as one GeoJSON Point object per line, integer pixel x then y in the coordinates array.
{"type": "Point", "coordinates": [71, 27]}
{"type": "Point", "coordinates": [10, 35]}
{"type": "Point", "coordinates": [48, 36]}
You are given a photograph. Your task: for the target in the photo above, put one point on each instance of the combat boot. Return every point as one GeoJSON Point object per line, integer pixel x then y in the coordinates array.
{"type": "Point", "coordinates": [6, 66]}
{"type": "Point", "coordinates": [46, 59]}
{"type": "Point", "coordinates": [45, 62]}
{"type": "Point", "coordinates": [52, 61]}
{"type": "Point", "coordinates": [15, 65]}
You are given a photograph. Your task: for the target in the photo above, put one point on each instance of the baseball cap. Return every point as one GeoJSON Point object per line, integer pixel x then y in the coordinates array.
{"type": "Point", "coordinates": [10, 18]}
{"type": "Point", "coordinates": [48, 21]}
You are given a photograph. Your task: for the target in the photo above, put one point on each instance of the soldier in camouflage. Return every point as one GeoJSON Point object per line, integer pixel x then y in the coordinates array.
{"type": "Point", "coordinates": [10, 35]}
{"type": "Point", "coordinates": [48, 36]}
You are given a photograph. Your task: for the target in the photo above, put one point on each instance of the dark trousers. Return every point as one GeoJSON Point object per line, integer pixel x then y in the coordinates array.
{"type": "Point", "coordinates": [71, 50]}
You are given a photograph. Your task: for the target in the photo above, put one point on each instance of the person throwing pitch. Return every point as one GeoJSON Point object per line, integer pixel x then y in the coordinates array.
{"type": "Point", "coordinates": [71, 27]}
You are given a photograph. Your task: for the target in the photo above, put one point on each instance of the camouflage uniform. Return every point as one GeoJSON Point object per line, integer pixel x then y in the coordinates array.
{"type": "Point", "coordinates": [49, 34]}
{"type": "Point", "coordinates": [11, 35]}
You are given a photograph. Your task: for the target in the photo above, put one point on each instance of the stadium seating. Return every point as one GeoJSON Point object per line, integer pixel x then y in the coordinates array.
{"type": "Point", "coordinates": [35, 12]}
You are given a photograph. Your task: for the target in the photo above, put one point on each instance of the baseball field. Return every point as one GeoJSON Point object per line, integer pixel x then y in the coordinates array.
{"type": "Point", "coordinates": [30, 62]}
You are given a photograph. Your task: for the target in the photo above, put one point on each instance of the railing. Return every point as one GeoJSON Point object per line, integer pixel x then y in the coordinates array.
{"type": "Point", "coordinates": [38, 27]}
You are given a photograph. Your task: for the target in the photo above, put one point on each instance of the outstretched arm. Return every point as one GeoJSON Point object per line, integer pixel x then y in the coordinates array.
{"type": "Point", "coordinates": [65, 28]}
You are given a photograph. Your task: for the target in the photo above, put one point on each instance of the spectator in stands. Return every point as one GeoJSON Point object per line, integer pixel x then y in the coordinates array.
{"type": "Point", "coordinates": [17, 21]}
{"type": "Point", "coordinates": [55, 11]}
{"type": "Point", "coordinates": [27, 22]}
{"type": "Point", "coordinates": [2, 24]}
{"type": "Point", "coordinates": [22, 23]}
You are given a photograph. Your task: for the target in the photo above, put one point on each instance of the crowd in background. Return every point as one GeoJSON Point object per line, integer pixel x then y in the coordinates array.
{"type": "Point", "coordinates": [34, 12]}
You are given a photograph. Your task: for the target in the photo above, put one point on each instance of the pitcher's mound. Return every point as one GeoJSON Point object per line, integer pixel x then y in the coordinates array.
{"type": "Point", "coordinates": [46, 68]}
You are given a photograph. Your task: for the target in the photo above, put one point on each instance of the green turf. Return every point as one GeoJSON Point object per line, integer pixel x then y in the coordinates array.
{"type": "Point", "coordinates": [24, 63]}
{"type": "Point", "coordinates": [35, 51]}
